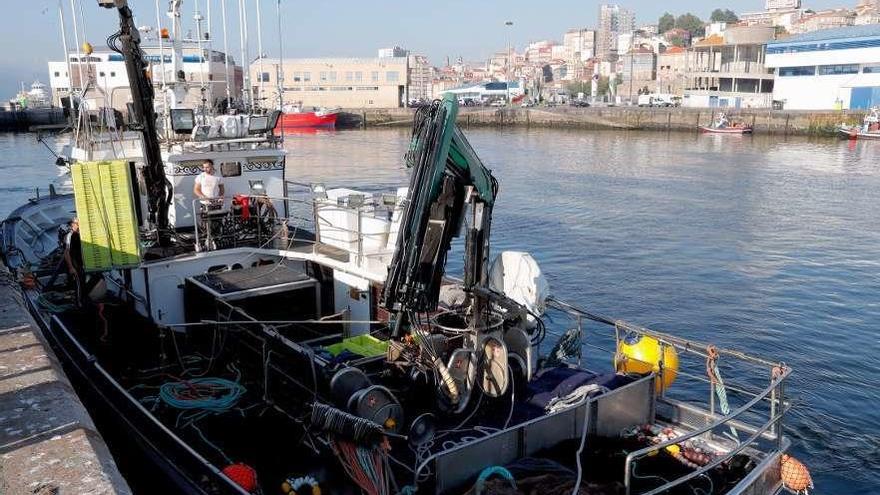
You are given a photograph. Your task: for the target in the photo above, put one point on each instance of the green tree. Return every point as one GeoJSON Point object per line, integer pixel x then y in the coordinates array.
{"type": "Point", "coordinates": [666, 22]}
{"type": "Point", "coordinates": [576, 87]}
{"type": "Point", "coordinates": [691, 23]}
{"type": "Point", "coordinates": [725, 15]}
{"type": "Point", "coordinates": [677, 41]}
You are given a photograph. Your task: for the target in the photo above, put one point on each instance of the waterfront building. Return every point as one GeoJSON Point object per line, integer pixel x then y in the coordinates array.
{"type": "Point", "coordinates": [777, 5]}
{"type": "Point", "coordinates": [103, 72]}
{"type": "Point", "coordinates": [392, 52]}
{"type": "Point", "coordinates": [338, 82]}
{"type": "Point", "coordinates": [613, 20]}
{"type": "Point", "coordinates": [639, 70]}
{"type": "Point", "coordinates": [481, 92]}
{"type": "Point", "coordinates": [420, 76]}
{"type": "Point", "coordinates": [580, 45]}
{"type": "Point", "coordinates": [828, 69]}
{"type": "Point", "coordinates": [649, 29]}
{"type": "Point", "coordinates": [729, 70]}
{"type": "Point", "coordinates": [826, 19]}
{"type": "Point", "coordinates": [671, 70]}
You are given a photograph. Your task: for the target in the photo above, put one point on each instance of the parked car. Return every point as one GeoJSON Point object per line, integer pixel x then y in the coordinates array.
{"type": "Point", "coordinates": [527, 103]}
{"type": "Point", "coordinates": [497, 103]}
{"type": "Point", "coordinates": [579, 103]}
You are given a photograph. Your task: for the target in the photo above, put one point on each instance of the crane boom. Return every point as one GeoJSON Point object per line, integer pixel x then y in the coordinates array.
{"type": "Point", "coordinates": [446, 175]}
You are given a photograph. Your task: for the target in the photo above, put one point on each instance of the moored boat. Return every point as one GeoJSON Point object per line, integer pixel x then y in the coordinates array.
{"type": "Point", "coordinates": [870, 128]}
{"type": "Point", "coordinates": [295, 117]}
{"type": "Point", "coordinates": [723, 126]}
{"type": "Point", "coordinates": [315, 343]}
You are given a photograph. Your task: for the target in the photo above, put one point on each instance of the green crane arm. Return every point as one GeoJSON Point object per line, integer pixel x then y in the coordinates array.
{"type": "Point", "coordinates": [446, 173]}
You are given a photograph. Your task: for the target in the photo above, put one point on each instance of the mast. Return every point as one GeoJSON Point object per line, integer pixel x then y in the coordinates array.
{"type": "Point", "coordinates": [127, 42]}
{"type": "Point", "coordinates": [225, 51]}
{"type": "Point", "coordinates": [260, 49]}
{"type": "Point", "coordinates": [245, 70]}
{"type": "Point", "coordinates": [197, 16]}
{"type": "Point", "coordinates": [66, 59]}
{"type": "Point", "coordinates": [279, 78]}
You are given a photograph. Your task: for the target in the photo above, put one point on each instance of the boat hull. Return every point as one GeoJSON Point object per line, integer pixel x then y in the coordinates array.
{"type": "Point", "coordinates": [726, 130]}
{"type": "Point", "coordinates": [300, 120]}
{"type": "Point", "coordinates": [854, 133]}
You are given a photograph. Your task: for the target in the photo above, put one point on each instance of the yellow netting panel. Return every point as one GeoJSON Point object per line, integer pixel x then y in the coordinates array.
{"type": "Point", "coordinates": [105, 206]}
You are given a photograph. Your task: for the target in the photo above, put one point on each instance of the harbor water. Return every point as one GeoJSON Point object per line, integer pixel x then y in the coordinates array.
{"type": "Point", "coordinates": [766, 245]}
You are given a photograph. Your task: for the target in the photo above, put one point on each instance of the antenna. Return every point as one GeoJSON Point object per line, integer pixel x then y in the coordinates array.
{"type": "Point", "coordinates": [197, 16]}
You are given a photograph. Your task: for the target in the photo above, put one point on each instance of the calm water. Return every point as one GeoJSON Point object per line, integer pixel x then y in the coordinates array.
{"type": "Point", "coordinates": [768, 246]}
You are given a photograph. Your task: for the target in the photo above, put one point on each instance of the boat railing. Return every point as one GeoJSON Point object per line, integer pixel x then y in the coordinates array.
{"type": "Point", "coordinates": [752, 420]}
{"type": "Point", "coordinates": [364, 237]}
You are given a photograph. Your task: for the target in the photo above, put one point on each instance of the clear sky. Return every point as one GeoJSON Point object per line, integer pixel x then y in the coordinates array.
{"type": "Point", "coordinates": [30, 35]}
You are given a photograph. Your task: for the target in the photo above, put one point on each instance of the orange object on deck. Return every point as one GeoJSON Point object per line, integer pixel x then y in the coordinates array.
{"type": "Point", "coordinates": [795, 476]}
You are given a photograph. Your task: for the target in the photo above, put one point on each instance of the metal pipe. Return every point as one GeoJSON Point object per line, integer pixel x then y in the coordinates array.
{"type": "Point", "coordinates": [688, 345]}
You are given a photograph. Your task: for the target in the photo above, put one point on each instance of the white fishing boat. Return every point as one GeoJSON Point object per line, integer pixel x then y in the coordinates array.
{"type": "Point", "coordinates": [870, 128]}
{"type": "Point", "coordinates": [723, 126]}
{"type": "Point", "coordinates": [301, 339]}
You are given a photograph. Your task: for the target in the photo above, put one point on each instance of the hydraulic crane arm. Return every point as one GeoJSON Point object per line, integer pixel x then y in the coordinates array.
{"type": "Point", "coordinates": [446, 175]}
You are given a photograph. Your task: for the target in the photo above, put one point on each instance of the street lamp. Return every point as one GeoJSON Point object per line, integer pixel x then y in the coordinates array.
{"type": "Point", "coordinates": [509, 24]}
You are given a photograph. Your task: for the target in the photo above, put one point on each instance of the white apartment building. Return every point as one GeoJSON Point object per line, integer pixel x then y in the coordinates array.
{"type": "Point", "coordinates": [828, 69]}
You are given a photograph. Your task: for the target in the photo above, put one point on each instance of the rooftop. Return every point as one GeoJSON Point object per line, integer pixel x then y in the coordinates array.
{"type": "Point", "coordinates": [849, 32]}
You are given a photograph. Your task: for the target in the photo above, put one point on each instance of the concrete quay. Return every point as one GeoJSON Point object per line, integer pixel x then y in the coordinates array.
{"type": "Point", "coordinates": [777, 122]}
{"type": "Point", "coordinates": [48, 442]}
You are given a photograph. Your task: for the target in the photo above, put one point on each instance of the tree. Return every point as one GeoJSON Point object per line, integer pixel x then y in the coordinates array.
{"type": "Point", "coordinates": [666, 22]}
{"type": "Point", "coordinates": [691, 23]}
{"type": "Point", "coordinates": [677, 41]}
{"type": "Point", "coordinates": [576, 87]}
{"type": "Point", "coordinates": [725, 15]}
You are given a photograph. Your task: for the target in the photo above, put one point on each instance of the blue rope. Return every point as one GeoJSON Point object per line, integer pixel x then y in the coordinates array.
{"type": "Point", "coordinates": [493, 470]}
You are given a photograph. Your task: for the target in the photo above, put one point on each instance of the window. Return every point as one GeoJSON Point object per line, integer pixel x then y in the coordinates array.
{"type": "Point", "coordinates": [297, 76]}
{"type": "Point", "coordinates": [112, 74]}
{"type": "Point", "coordinates": [322, 76]}
{"type": "Point", "coordinates": [101, 74]}
{"type": "Point", "coordinates": [871, 69]}
{"type": "Point", "coordinates": [797, 71]}
{"type": "Point", "coordinates": [307, 76]}
{"type": "Point", "coordinates": [230, 169]}
{"type": "Point", "coordinates": [358, 76]}
{"type": "Point", "coordinates": [57, 74]}
{"type": "Point", "coordinates": [264, 77]}
{"type": "Point", "coordinates": [349, 76]}
{"type": "Point", "coordinates": [374, 77]}
{"type": "Point", "coordinates": [332, 76]}
{"type": "Point", "coordinates": [391, 76]}
{"type": "Point", "coordinates": [830, 70]}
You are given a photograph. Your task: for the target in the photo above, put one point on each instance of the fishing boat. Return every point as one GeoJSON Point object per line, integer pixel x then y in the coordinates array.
{"type": "Point", "coordinates": [306, 339]}
{"type": "Point", "coordinates": [296, 117]}
{"type": "Point", "coordinates": [723, 126]}
{"type": "Point", "coordinates": [870, 128]}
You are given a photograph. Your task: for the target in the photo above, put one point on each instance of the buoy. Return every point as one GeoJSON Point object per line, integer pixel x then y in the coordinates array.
{"type": "Point", "coordinates": [795, 476]}
{"type": "Point", "coordinates": [641, 354]}
{"type": "Point", "coordinates": [243, 476]}
{"type": "Point", "coordinates": [87, 48]}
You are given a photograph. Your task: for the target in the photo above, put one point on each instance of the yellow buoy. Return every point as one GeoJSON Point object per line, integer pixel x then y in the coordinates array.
{"type": "Point", "coordinates": [87, 48]}
{"type": "Point", "coordinates": [641, 354]}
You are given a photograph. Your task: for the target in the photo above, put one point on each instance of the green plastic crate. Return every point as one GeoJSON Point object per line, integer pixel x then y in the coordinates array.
{"type": "Point", "coordinates": [362, 345]}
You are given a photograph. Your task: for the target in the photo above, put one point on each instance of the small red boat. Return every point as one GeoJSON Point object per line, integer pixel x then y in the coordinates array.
{"type": "Point", "coordinates": [727, 130]}
{"type": "Point", "coordinates": [723, 126]}
{"type": "Point", "coordinates": [297, 118]}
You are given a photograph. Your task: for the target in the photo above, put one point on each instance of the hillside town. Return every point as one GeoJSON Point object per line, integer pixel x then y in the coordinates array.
{"type": "Point", "coordinates": [786, 56]}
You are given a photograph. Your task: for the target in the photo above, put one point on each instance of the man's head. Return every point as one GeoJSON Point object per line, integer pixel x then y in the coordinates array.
{"type": "Point", "coordinates": [74, 224]}
{"type": "Point", "coordinates": [208, 166]}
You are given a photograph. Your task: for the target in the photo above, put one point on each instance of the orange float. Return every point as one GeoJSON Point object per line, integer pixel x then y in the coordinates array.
{"type": "Point", "coordinates": [795, 476]}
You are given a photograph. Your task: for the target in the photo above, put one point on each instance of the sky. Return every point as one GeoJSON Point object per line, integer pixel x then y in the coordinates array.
{"type": "Point", "coordinates": [472, 29]}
